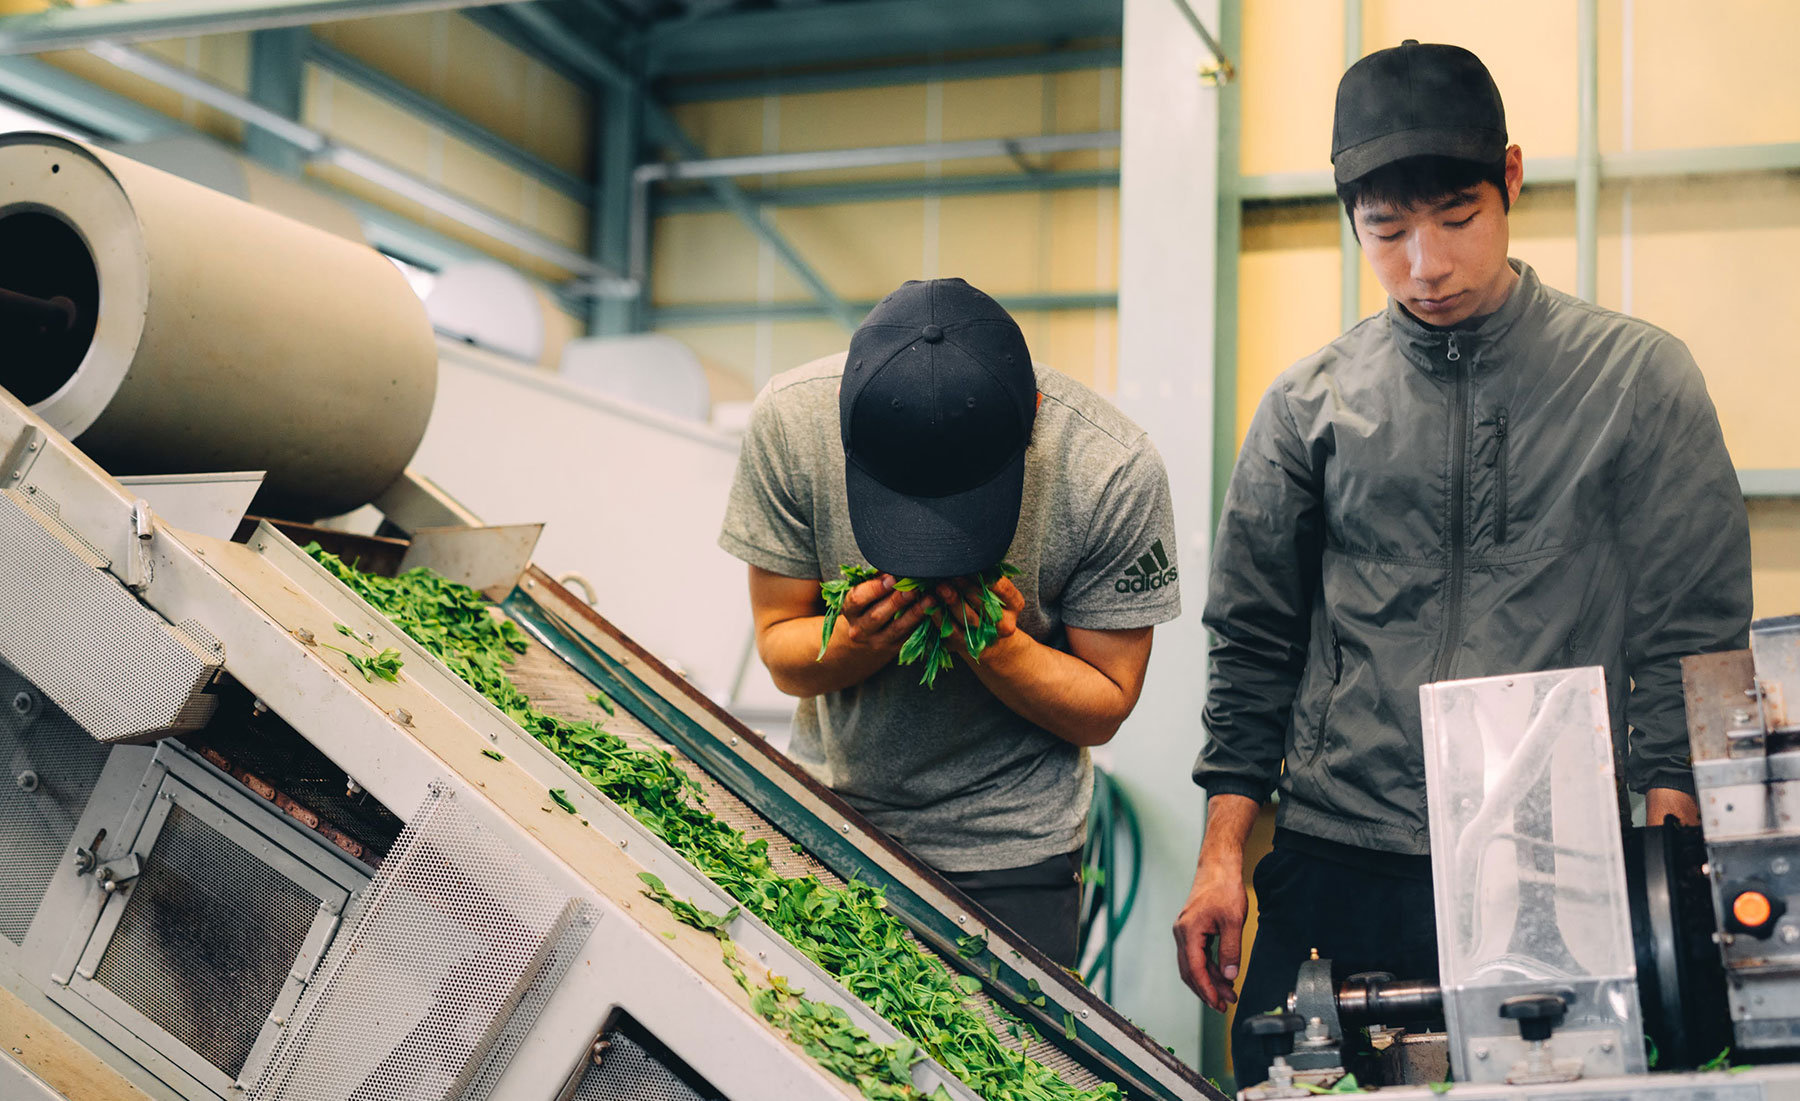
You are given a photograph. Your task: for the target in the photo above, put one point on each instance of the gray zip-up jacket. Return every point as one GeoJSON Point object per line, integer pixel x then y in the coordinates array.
{"type": "Point", "coordinates": [1549, 489]}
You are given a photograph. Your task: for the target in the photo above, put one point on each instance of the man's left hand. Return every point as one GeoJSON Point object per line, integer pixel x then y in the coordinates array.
{"type": "Point", "coordinates": [961, 597]}
{"type": "Point", "coordinates": [1659, 803]}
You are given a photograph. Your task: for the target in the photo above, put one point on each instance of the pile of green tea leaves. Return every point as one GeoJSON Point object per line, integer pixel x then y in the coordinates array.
{"type": "Point", "coordinates": [845, 930]}
{"type": "Point", "coordinates": [930, 640]}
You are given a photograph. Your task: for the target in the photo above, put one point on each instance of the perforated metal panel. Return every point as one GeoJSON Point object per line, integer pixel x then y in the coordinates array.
{"type": "Point", "coordinates": [115, 666]}
{"type": "Point", "coordinates": [50, 766]}
{"type": "Point", "coordinates": [629, 1072]}
{"type": "Point", "coordinates": [206, 941]}
{"type": "Point", "coordinates": [434, 962]}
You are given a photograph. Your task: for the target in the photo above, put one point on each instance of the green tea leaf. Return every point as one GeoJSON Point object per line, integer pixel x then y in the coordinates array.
{"type": "Point", "coordinates": [493, 754]}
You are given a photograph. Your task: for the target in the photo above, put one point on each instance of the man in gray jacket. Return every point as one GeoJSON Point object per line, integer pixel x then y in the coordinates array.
{"type": "Point", "coordinates": [1488, 477]}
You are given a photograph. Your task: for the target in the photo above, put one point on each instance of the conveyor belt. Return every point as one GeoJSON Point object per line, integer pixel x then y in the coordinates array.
{"type": "Point", "coordinates": [555, 687]}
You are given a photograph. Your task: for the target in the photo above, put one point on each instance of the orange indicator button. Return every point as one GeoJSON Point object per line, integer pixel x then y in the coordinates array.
{"type": "Point", "coordinates": [1751, 909]}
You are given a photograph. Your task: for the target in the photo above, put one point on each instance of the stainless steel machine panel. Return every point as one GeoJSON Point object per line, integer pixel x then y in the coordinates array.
{"type": "Point", "coordinates": [49, 767]}
{"type": "Point", "coordinates": [415, 999]}
{"type": "Point", "coordinates": [119, 669]}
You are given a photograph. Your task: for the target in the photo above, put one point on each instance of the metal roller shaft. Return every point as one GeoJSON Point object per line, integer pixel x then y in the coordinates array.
{"type": "Point", "coordinates": [1362, 1002]}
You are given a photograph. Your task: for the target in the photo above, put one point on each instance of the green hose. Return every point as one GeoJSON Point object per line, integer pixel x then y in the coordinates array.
{"type": "Point", "coordinates": [1106, 900]}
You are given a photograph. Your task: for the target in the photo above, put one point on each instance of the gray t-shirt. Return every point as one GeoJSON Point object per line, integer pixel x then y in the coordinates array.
{"type": "Point", "coordinates": [951, 772]}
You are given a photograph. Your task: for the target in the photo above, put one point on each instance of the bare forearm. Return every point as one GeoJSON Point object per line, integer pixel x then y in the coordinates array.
{"type": "Point", "coordinates": [1228, 822]}
{"type": "Point", "coordinates": [791, 651]}
{"type": "Point", "coordinates": [1059, 692]}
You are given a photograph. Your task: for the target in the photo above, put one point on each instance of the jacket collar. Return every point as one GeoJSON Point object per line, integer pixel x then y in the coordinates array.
{"type": "Point", "coordinates": [1429, 348]}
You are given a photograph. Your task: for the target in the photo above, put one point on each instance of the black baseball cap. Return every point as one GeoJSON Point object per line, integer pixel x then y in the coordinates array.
{"type": "Point", "coordinates": [1415, 100]}
{"type": "Point", "coordinates": [936, 410]}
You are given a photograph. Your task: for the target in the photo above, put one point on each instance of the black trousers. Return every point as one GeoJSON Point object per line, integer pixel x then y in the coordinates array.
{"type": "Point", "coordinates": [1041, 902]}
{"type": "Point", "coordinates": [1358, 918]}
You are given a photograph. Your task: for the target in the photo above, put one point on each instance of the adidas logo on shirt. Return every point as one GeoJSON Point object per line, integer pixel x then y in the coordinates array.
{"type": "Point", "coordinates": [1150, 571]}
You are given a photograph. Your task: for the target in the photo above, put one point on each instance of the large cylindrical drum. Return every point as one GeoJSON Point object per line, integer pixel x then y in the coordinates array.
{"type": "Point", "coordinates": [169, 329]}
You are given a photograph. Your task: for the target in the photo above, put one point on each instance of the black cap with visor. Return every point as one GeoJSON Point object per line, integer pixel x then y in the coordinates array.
{"type": "Point", "coordinates": [936, 409]}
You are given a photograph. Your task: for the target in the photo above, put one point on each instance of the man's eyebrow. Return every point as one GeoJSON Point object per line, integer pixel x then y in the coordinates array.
{"type": "Point", "coordinates": [1461, 198]}
{"type": "Point", "coordinates": [1378, 218]}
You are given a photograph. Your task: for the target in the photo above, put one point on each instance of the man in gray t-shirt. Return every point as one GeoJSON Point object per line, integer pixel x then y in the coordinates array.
{"type": "Point", "coordinates": [960, 454]}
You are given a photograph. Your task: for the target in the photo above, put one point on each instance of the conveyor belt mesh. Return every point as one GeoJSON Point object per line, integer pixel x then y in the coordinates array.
{"type": "Point", "coordinates": [557, 688]}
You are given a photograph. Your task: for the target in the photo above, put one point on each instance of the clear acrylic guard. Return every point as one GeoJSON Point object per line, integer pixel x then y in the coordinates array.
{"type": "Point", "coordinates": [1529, 875]}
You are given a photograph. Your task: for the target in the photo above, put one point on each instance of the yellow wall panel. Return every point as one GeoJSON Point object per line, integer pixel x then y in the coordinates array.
{"type": "Point", "coordinates": [792, 343]}
{"type": "Point", "coordinates": [852, 118]}
{"type": "Point", "coordinates": [708, 257]}
{"type": "Point", "coordinates": [1083, 240]}
{"type": "Point", "coordinates": [222, 59]}
{"type": "Point", "coordinates": [347, 113]}
{"type": "Point", "coordinates": [1000, 243]}
{"type": "Point", "coordinates": [402, 46]}
{"type": "Point", "coordinates": [1775, 557]}
{"type": "Point", "coordinates": [1714, 73]}
{"type": "Point", "coordinates": [860, 250]}
{"type": "Point", "coordinates": [478, 75]}
{"type": "Point", "coordinates": [481, 179]}
{"type": "Point", "coordinates": [1085, 100]}
{"type": "Point", "coordinates": [1293, 54]}
{"type": "Point", "coordinates": [994, 107]}
{"type": "Point", "coordinates": [1529, 46]}
{"type": "Point", "coordinates": [358, 187]}
{"type": "Point", "coordinates": [1082, 344]}
{"type": "Point", "coordinates": [558, 217]}
{"type": "Point", "coordinates": [1713, 264]}
{"type": "Point", "coordinates": [726, 127]}
{"type": "Point", "coordinates": [1288, 279]}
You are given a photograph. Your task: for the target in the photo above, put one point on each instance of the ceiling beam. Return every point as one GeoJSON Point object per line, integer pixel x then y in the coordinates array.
{"type": "Point", "coordinates": [62, 28]}
{"type": "Point", "coordinates": [840, 33]}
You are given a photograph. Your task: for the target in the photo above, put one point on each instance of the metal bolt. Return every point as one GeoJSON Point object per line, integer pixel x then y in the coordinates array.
{"type": "Point", "coordinates": [1084, 1014]}
{"type": "Point", "coordinates": [401, 715]}
{"type": "Point", "coordinates": [1706, 869]}
{"type": "Point", "coordinates": [278, 1022]}
{"type": "Point", "coordinates": [962, 919]}
{"type": "Point", "coordinates": [844, 827]}
{"type": "Point", "coordinates": [1789, 934]}
{"type": "Point", "coordinates": [1779, 865]}
{"type": "Point", "coordinates": [351, 787]}
{"type": "Point", "coordinates": [28, 781]}
{"type": "Point", "coordinates": [530, 584]}
{"type": "Point", "coordinates": [624, 841]}
{"type": "Point", "coordinates": [24, 703]}
{"type": "Point", "coordinates": [734, 739]}
{"type": "Point", "coordinates": [31, 446]}
{"type": "Point", "coordinates": [258, 707]}
{"type": "Point", "coordinates": [1606, 1045]}
{"type": "Point", "coordinates": [1481, 1053]}
{"type": "Point", "coordinates": [1741, 715]}
{"type": "Point", "coordinates": [304, 635]}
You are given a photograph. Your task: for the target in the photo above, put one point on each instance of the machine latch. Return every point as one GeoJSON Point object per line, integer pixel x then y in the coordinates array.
{"type": "Point", "coordinates": [112, 875]}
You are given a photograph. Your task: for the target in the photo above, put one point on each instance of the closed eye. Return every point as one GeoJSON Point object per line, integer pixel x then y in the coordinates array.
{"type": "Point", "coordinates": [1464, 222]}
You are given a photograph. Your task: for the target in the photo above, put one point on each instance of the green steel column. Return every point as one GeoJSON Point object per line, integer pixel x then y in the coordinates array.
{"type": "Point", "coordinates": [1587, 151]}
{"type": "Point", "coordinates": [619, 149]}
{"type": "Point", "coordinates": [1231, 218]}
{"type": "Point", "coordinates": [277, 82]}
{"type": "Point", "coordinates": [1350, 253]}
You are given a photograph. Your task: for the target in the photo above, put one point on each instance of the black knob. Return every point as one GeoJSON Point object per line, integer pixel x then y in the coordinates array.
{"type": "Point", "coordinates": [1537, 1014]}
{"type": "Point", "coordinates": [1275, 1032]}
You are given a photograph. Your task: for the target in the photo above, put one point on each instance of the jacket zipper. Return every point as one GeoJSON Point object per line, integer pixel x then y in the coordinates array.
{"type": "Point", "coordinates": [1459, 485]}
{"type": "Point", "coordinates": [1499, 465]}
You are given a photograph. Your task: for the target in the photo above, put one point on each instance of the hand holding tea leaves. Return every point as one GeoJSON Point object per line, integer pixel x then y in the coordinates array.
{"type": "Point", "coordinates": [973, 611]}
